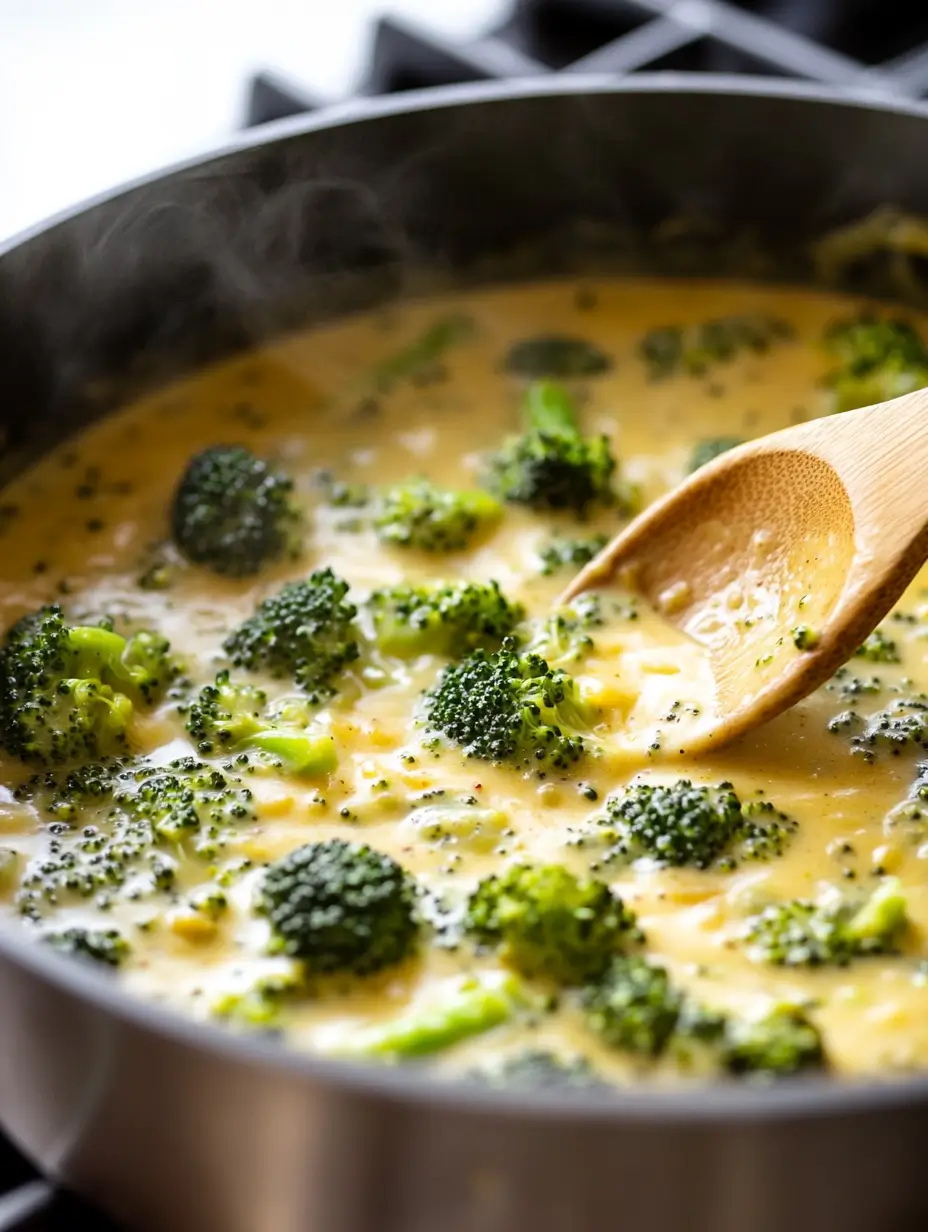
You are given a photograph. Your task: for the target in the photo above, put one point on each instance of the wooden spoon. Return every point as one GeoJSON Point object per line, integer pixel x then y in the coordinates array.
{"type": "Point", "coordinates": [783, 554]}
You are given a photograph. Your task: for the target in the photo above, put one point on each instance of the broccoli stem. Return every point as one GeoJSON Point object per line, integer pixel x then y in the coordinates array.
{"type": "Point", "coordinates": [300, 752]}
{"type": "Point", "coordinates": [475, 1006]}
{"type": "Point", "coordinates": [550, 409]}
{"type": "Point", "coordinates": [882, 916]}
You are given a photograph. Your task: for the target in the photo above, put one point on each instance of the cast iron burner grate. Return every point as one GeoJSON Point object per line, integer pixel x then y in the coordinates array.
{"type": "Point", "coordinates": [862, 46]}
{"type": "Point", "coordinates": [872, 46]}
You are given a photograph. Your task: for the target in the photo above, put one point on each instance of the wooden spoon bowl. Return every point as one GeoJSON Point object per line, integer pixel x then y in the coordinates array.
{"type": "Point", "coordinates": [783, 554]}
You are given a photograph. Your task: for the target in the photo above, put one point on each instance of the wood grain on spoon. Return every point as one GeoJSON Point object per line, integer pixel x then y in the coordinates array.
{"type": "Point", "coordinates": [804, 538]}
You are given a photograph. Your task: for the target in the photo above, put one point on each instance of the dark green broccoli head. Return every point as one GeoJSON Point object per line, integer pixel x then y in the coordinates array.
{"type": "Point", "coordinates": [695, 349]}
{"type": "Point", "coordinates": [710, 448]}
{"type": "Point", "coordinates": [537, 1069]}
{"type": "Point", "coordinates": [785, 1042]}
{"type": "Point", "coordinates": [879, 359]}
{"type": "Point", "coordinates": [677, 823]}
{"type": "Point", "coordinates": [510, 707]}
{"type": "Point", "coordinates": [551, 465]}
{"type": "Point", "coordinates": [231, 717]}
{"type": "Point", "coordinates": [547, 922]}
{"type": "Point", "coordinates": [556, 356]}
{"type": "Point", "coordinates": [233, 513]}
{"type": "Point", "coordinates": [445, 618]}
{"type": "Point", "coordinates": [343, 908]}
{"type": "Point", "coordinates": [67, 692]}
{"type": "Point", "coordinates": [417, 514]}
{"type": "Point", "coordinates": [798, 933]}
{"type": "Point", "coordinates": [106, 946]}
{"type": "Point", "coordinates": [305, 632]}
{"type": "Point", "coordinates": [680, 823]}
{"type": "Point", "coordinates": [634, 1006]}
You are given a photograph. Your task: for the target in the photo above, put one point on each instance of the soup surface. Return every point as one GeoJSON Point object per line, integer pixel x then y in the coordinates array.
{"type": "Point", "coordinates": [778, 921]}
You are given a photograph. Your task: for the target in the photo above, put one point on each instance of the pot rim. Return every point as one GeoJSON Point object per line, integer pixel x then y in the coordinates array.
{"type": "Point", "coordinates": [741, 1103]}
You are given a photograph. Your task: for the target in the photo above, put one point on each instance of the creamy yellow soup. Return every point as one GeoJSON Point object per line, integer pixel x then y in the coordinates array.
{"type": "Point", "coordinates": [84, 525]}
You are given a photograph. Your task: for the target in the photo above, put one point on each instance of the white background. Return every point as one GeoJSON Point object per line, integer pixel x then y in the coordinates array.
{"type": "Point", "coordinates": [93, 92]}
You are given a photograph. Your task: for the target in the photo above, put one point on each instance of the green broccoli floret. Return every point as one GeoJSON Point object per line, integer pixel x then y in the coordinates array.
{"type": "Point", "coordinates": [340, 907]}
{"type": "Point", "coordinates": [417, 514]}
{"type": "Point", "coordinates": [510, 707]}
{"type": "Point", "coordinates": [694, 349]}
{"type": "Point", "coordinates": [879, 648]}
{"type": "Point", "coordinates": [879, 359]}
{"type": "Point", "coordinates": [233, 513]}
{"type": "Point", "coordinates": [305, 632]}
{"type": "Point", "coordinates": [547, 922]}
{"type": "Point", "coordinates": [227, 718]}
{"type": "Point", "coordinates": [261, 1004]}
{"type": "Point", "coordinates": [564, 635]}
{"type": "Point", "coordinates": [67, 692]}
{"type": "Point", "coordinates": [556, 356]}
{"type": "Point", "coordinates": [552, 465]}
{"type": "Point", "coordinates": [680, 823]}
{"type": "Point", "coordinates": [442, 618]}
{"type": "Point", "coordinates": [134, 817]}
{"type": "Point", "coordinates": [806, 934]}
{"type": "Point", "coordinates": [106, 946]}
{"type": "Point", "coordinates": [634, 1006]}
{"type": "Point", "coordinates": [782, 1043]}
{"type": "Point", "coordinates": [563, 554]}
{"type": "Point", "coordinates": [712, 447]}
{"type": "Point", "coordinates": [900, 727]}
{"type": "Point", "coordinates": [537, 1069]}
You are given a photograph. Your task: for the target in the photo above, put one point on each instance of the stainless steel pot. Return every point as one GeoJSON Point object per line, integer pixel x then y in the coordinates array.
{"type": "Point", "coordinates": [171, 1125]}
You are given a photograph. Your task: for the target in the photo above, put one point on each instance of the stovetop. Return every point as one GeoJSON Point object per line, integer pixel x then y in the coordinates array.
{"type": "Point", "coordinates": [875, 46]}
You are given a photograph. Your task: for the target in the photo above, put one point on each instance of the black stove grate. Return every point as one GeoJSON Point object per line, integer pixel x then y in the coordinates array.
{"type": "Point", "coordinates": [877, 46]}
{"type": "Point", "coordinates": [873, 46]}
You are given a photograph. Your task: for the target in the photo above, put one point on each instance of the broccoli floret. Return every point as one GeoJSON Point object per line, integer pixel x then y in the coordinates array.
{"type": "Point", "coordinates": [899, 728]}
{"type": "Point", "coordinates": [305, 632]}
{"type": "Point", "coordinates": [227, 717]}
{"type": "Point", "coordinates": [67, 692]}
{"type": "Point", "coordinates": [680, 823]}
{"type": "Point", "coordinates": [233, 513]}
{"type": "Point", "coordinates": [879, 360]}
{"type": "Point", "coordinates": [806, 934]}
{"type": "Point", "coordinates": [634, 1006]}
{"type": "Point", "coordinates": [782, 1043]}
{"type": "Point", "coordinates": [472, 1006]}
{"type": "Point", "coordinates": [556, 356]}
{"type": "Point", "coordinates": [261, 1004]}
{"type": "Point", "coordinates": [537, 1069]}
{"type": "Point", "coordinates": [552, 465]}
{"type": "Point", "coordinates": [879, 648]}
{"type": "Point", "coordinates": [510, 707]}
{"type": "Point", "coordinates": [417, 514]}
{"type": "Point", "coordinates": [694, 349]}
{"type": "Point", "coordinates": [443, 618]}
{"type": "Point", "coordinates": [139, 813]}
{"type": "Point", "coordinates": [564, 636]}
{"type": "Point", "coordinates": [712, 447]}
{"type": "Point", "coordinates": [547, 922]}
{"type": "Point", "coordinates": [340, 907]}
{"type": "Point", "coordinates": [562, 554]}
{"type": "Point", "coordinates": [106, 946]}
